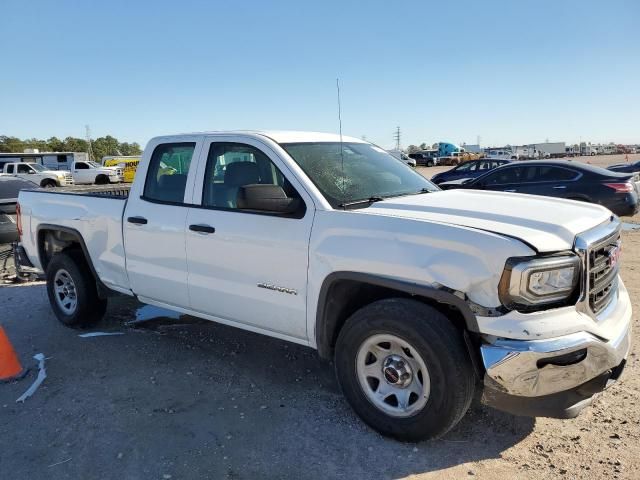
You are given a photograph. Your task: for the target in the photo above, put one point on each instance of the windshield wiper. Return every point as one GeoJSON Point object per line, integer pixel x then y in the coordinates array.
{"type": "Point", "coordinates": [364, 201]}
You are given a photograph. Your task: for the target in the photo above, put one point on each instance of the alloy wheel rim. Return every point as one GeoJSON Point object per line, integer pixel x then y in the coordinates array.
{"type": "Point", "coordinates": [393, 375]}
{"type": "Point", "coordinates": [65, 292]}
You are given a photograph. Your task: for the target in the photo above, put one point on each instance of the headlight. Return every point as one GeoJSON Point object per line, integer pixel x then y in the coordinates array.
{"type": "Point", "coordinates": [531, 282]}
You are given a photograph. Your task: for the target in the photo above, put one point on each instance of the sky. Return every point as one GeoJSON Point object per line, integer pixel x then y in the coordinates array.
{"type": "Point", "coordinates": [509, 72]}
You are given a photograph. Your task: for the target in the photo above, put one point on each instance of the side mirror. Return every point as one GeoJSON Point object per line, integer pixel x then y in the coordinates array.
{"type": "Point", "coordinates": [31, 172]}
{"type": "Point", "coordinates": [268, 198]}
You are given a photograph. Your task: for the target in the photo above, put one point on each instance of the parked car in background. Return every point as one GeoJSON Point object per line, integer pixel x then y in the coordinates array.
{"type": "Point", "coordinates": [426, 158]}
{"type": "Point", "coordinates": [400, 155]}
{"type": "Point", "coordinates": [471, 169]}
{"type": "Point", "coordinates": [560, 178]}
{"type": "Point", "coordinates": [91, 172]}
{"type": "Point", "coordinates": [8, 229]}
{"type": "Point", "coordinates": [38, 174]}
{"type": "Point", "coordinates": [625, 167]}
{"type": "Point", "coordinates": [9, 189]}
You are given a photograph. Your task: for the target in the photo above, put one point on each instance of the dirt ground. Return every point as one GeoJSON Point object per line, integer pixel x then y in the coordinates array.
{"type": "Point", "coordinates": [175, 397]}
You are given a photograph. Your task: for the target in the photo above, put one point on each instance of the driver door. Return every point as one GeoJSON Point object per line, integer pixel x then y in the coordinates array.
{"type": "Point", "coordinates": [82, 173]}
{"type": "Point", "coordinates": [247, 267]}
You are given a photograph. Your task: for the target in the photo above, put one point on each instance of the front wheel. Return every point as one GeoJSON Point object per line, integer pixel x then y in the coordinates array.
{"type": "Point", "coordinates": [429, 163]}
{"type": "Point", "coordinates": [404, 369]}
{"type": "Point", "coordinates": [72, 290]}
{"type": "Point", "coordinates": [48, 184]}
{"type": "Point", "coordinates": [102, 180]}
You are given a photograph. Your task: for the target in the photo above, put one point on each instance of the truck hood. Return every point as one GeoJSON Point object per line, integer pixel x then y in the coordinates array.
{"type": "Point", "coordinates": [547, 224]}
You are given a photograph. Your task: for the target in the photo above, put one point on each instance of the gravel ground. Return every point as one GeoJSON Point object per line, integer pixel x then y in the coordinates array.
{"type": "Point", "coordinates": [176, 397]}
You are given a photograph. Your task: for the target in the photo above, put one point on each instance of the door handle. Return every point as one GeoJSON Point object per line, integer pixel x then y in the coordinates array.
{"type": "Point", "coordinates": [513, 190]}
{"type": "Point", "coordinates": [137, 220]}
{"type": "Point", "coordinates": [202, 229]}
{"type": "Point", "coordinates": [560, 187]}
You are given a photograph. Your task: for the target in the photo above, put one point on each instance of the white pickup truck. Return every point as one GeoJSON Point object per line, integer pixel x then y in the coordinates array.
{"type": "Point", "coordinates": [420, 296]}
{"type": "Point", "coordinates": [94, 173]}
{"type": "Point", "coordinates": [39, 175]}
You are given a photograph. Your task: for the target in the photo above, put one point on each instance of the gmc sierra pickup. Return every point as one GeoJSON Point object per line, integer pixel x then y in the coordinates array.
{"type": "Point", "coordinates": [419, 296]}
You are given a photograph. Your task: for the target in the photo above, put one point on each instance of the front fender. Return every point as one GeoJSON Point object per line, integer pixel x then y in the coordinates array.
{"type": "Point", "coordinates": [433, 256]}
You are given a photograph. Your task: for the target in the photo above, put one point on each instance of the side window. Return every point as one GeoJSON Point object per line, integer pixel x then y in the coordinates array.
{"type": "Point", "coordinates": [23, 168]}
{"type": "Point", "coordinates": [502, 176]}
{"type": "Point", "coordinates": [167, 174]}
{"type": "Point", "coordinates": [557, 174]}
{"type": "Point", "coordinates": [530, 174]}
{"type": "Point", "coordinates": [9, 168]}
{"type": "Point", "coordinates": [231, 166]}
{"type": "Point", "coordinates": [464, 167]}
{"type": "Point", "coordinates": [81, 166]}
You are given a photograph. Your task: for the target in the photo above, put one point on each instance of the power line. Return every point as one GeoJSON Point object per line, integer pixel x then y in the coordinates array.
{"type": "Point", "coordinates": [88, 135]}
{"type": "Point", "coordinates": [396, 137]}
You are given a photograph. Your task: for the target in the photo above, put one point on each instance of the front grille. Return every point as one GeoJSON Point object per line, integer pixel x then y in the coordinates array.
{"type": "Point", "coordinates": [602, 270]}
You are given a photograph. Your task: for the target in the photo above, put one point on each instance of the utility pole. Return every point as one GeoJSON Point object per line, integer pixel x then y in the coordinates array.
{"type": "Point", "coordinates": [396, 137]}
{"type": "Point", "coordinates": [88, 135]}
{"type": "Point", "coordinates": [478, 141]}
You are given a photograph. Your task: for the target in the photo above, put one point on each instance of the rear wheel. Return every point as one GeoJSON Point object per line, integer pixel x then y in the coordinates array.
{"type": "Point", "coordinates": [404, 369]}
{"type": "Point", "coordinates": [72, 290]}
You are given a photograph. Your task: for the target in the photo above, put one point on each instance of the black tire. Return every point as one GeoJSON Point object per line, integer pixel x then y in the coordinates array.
{"type": "Point", "coordinates": [102, 180]}
{"type": "Point", "coordinates": [90, 308]}
{"type": "Point", "coordinates": [440, 345]}
{"type": "Point", "coordinates": [48, 184]}
{"type": "Point", "coordinates": [429, 163]}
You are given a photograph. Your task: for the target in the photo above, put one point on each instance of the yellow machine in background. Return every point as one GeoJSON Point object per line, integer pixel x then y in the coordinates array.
{"type": "Point", "coordinates": [129, 164]}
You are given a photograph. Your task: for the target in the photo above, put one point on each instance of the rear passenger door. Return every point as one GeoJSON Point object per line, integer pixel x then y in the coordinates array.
{"type": "Point", "coordinates": [155, 221]}
{"type": "Point", "coordinates": [247, 267]}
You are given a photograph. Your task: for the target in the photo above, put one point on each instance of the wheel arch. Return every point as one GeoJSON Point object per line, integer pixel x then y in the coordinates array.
{"type": "Point", "coordinates": [47, 181]}
{"type": "Point", "coordinates": [101, 179]}
{"type": "Point", "coordinates": [54, 239]}
{"type": "Point", "coordinates": [342, 293]}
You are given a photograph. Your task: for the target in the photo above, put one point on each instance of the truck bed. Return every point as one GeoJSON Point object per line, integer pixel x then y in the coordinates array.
{"type": "Point", "coordinates": [111, 191]}
{"type": "Point", "coordinates": [93, 213]}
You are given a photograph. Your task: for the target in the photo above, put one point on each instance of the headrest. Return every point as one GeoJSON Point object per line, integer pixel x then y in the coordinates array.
{"type": "Point", "coordinates": [241, 173]}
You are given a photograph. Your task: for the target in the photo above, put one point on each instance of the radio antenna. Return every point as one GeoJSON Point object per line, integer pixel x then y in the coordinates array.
{"type": "Point", "coordinates": [340, 130]}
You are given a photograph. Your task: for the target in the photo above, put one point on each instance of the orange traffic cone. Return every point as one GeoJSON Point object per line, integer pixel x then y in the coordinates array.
{"type": "Point", "coordinates": [9, 364]}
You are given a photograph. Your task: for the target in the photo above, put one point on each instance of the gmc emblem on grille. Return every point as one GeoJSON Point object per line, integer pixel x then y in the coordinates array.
{"type": "Point", "coordinates": [614, 255]}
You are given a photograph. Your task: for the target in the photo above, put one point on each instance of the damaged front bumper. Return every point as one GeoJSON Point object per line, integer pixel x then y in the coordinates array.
{"type": "Point", "coordinates": [555, 377]}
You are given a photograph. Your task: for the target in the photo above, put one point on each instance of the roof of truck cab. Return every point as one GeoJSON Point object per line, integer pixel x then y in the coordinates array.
{"type": "Point", "coordinates": [287, 136]}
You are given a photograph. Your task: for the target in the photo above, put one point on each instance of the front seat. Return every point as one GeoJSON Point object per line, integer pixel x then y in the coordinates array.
{"type": "Point", "coordinates": [236, 175]}
{"type": "Point", "coordinates": [172, 187]}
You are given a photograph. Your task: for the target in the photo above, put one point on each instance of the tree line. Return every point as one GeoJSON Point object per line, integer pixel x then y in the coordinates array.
{"type": "Point", "coordinates": [423, 146]}
{"type": "Point", "coordinates": [101, 147]}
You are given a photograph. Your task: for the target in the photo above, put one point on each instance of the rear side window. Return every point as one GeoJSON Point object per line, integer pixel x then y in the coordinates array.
{"type": "Point", "coordinates": [556, 174]}
{"type": "Point", "coordinates": [168, 169]}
